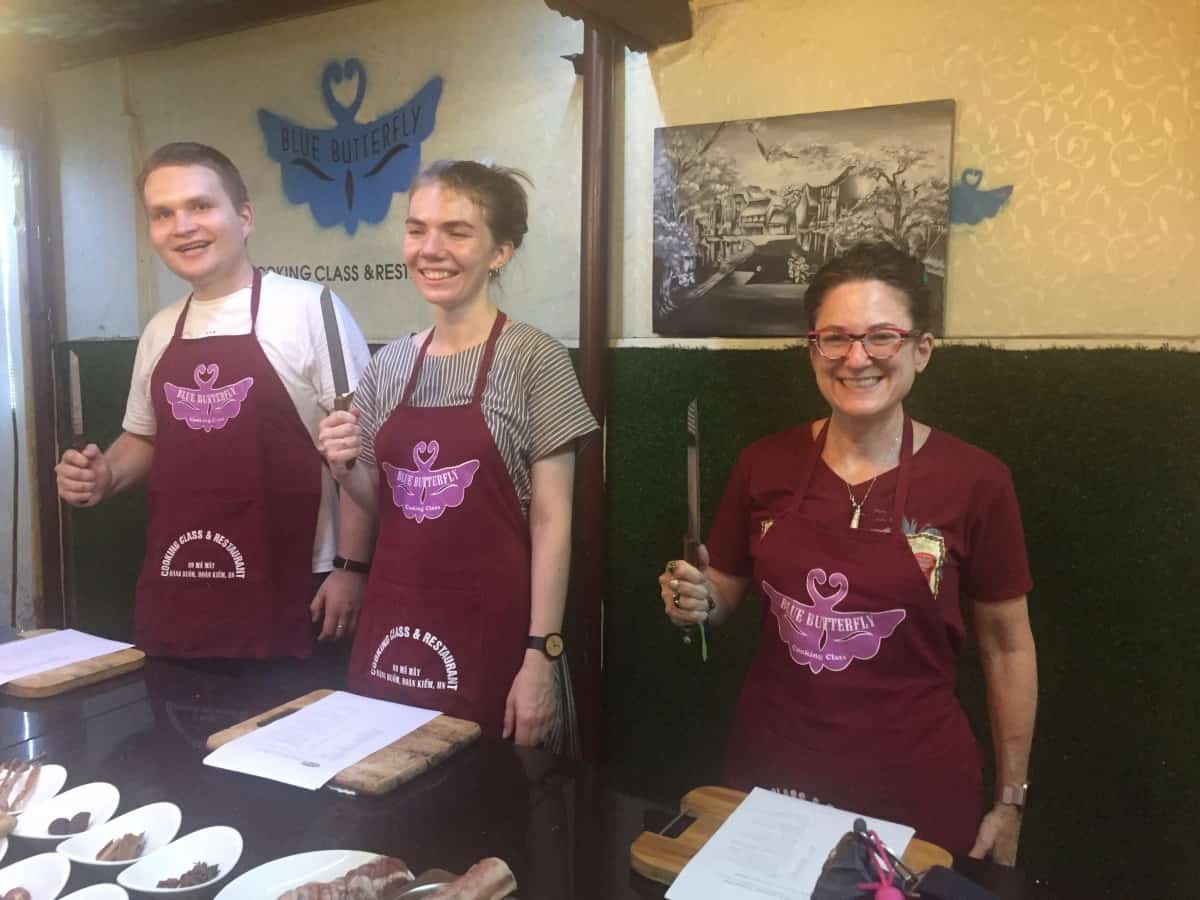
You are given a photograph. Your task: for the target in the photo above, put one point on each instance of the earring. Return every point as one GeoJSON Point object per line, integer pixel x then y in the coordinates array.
{"type": "Point", "coordinates": [495, 273]}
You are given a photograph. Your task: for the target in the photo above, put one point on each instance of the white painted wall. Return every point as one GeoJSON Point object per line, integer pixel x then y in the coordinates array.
{"type": "Point", "coordinates": [99, 240]}
{"type": "Point", "coordinates": [14, 405]}
{"type": "Point", "coordinates": [508, 96]}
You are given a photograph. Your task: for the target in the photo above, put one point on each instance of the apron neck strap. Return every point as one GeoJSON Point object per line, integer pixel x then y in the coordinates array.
{"type": "Point", "coordinates": [255, 291]}
{"type": "Point", "coordinates": [807, 465]}
{"type": "Point", "coordinates": [814, 453]}
{"type": "Point", "coordinates": [901, 498]}
{"type": "Point", "coordinates": [416, 370]}
{"type": "Point", "coordinates": [484, 365]}
{"type": "Point", "coordinates": [489, 353]}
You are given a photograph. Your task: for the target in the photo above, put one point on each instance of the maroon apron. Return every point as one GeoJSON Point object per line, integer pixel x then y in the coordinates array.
{"type": "Point", "coordinates": [446, 614]}
{"type": "Point", "coordinates": [851, 698]}
{"type": "Point", "coordinates": [233, 497]}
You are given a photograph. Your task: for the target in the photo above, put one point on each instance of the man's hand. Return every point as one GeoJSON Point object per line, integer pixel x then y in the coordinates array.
{"type": "Point", "coordinates": [338, 600]}
{"type": "Point", "coordinates": [84, 476]}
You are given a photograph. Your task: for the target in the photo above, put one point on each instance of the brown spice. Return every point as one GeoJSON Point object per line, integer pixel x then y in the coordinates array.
{"type": "Point", "coordinates": [198, 874]}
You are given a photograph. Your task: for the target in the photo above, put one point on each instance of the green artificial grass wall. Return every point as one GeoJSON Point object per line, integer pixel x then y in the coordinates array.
{"type": "Point", "coordinates": [107, 541]}
{"type": "Point", "coordinates": [1103, 446]}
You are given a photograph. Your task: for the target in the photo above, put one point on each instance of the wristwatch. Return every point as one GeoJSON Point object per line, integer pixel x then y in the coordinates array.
{"type": "Point", "coordinates": [552, 644]}
{"type": "Point", "coordinates": [351, 565]}
{"type": "Point", "coordinates": [1014, 795]}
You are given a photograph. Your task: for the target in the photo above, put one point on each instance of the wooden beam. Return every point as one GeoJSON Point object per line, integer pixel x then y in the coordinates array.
{"type": "Point", "coordinates": [591, 505]}
{"type": "Point", "coordinates": [639, 24]}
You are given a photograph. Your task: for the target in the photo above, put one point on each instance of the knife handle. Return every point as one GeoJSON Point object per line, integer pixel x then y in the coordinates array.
{"type": "Point", "coordinates": [341, 403]}
{"type": "Point", "coordinates": [691, 551]}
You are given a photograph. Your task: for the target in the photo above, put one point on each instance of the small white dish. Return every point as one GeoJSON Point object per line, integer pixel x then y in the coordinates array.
{"type": "Point", "coordinates": [50, 781]}
{"type": "Point", "coordinates": [159, 822]}
{"type": "Point", "coordinates": [219, 846]}
{"type": "Point", "coordinates": [99, 799]}
{"type": "Point", "coordinates": [44, 876]}
{"type": "Point", "coordinates": [279, 875]}
{"type": "Point", "coordinates": [99, 892]}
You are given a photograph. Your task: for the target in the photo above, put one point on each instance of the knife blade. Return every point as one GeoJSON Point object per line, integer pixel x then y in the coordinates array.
{"type": "Point", "coordinates": [342, 395]}
{"type": "Point", "coordinates": [691, 540]}
{"type": "Point", "coordinates": [333, 340]}
{"type": "Point", "coordinates": [75, 398]}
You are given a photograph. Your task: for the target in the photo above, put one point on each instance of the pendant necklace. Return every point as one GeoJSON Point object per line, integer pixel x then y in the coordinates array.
{"type": "Point", "coordinates": [857, 505]}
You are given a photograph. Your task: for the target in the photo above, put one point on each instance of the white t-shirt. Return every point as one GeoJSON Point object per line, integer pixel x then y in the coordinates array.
{"type": "Point", "coordinates": [291, 333]}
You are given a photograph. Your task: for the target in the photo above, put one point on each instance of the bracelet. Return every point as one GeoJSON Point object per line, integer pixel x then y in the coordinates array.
{"type": "Point", "coordinates": [351, 565]}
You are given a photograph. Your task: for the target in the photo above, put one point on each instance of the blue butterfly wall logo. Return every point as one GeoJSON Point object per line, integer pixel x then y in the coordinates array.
{"type": "Point", "coordinates": [347, 174]}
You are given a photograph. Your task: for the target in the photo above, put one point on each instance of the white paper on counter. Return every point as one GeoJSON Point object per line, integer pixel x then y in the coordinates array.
{"type": "Point", "coordinates": [308, 747]}
{"type": "Point", "coordinates": [32, 656]}
{"type": "Point", "coordinates": [773, 846]}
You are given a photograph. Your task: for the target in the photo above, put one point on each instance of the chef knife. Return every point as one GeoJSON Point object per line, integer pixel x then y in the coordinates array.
{"type": "Point", "coordinates": [342, 395]}
{"type": "Point", "coordinates": [691, 540]}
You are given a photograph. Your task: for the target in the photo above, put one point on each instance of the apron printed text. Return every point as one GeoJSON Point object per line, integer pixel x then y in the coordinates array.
{"type": "Point", "coordinates": [425, 492]}
{"type": "Point", "coordinates": [206, 407]}
{"type": "Point", "coordinates": [821, 637]}
{"type": "Point", "coordinates": [413, 676]}
{"type": "Point", "coordinates": [203, 568]}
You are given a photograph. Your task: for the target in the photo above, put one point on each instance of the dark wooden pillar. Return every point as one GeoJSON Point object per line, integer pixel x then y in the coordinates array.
{"type": "Point", "coordinates": [51, 610]}
{"type": "Point", "coordinates": [591, 508]}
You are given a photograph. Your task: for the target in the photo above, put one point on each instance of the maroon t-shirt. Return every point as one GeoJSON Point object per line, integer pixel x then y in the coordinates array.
{"type": "Point", "coordinates": [962, 518]}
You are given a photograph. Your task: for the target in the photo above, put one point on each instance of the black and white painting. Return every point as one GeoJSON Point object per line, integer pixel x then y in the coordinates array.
{"type": "Point", "coordinates": [745, 212]}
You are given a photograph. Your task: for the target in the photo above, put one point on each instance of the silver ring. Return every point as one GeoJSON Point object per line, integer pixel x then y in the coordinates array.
{"type": "Point", "coordinates": [341, 626]}
{"type": "Point", "coordinates": [675, 600]}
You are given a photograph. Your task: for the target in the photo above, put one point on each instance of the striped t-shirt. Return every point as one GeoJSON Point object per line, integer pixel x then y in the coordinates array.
{"type": "Point", "coordinates": [532, 402]}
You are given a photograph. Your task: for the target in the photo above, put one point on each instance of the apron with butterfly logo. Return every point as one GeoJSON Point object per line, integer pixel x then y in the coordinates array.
{"type": "Point", "coordinates": [446, 614]}
{"type": "Point", "coordinates": [851, 698]}
{"type": "Point", "coordinates": [232, 499]}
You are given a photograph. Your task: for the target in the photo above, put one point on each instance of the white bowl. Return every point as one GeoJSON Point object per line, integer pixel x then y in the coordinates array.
{"type": "Point", "coordinates": [44, 876]}
{"type": "Point", "coordinates": [273, 878]}
{"type": "Point", "coordinates": [100, 799]}
{"type": "Point", "coordinates": [50, 781]}
{"type": "Point", "coordinates": [159, 822]}
{"type": "Point", "coordinates": [219, 846]}
{"type": "Point", "coordinates": [99, 892]}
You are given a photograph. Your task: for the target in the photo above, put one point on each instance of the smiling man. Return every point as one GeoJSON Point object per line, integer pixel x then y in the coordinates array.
{"type": "Point", "coordinates": [229, 385]}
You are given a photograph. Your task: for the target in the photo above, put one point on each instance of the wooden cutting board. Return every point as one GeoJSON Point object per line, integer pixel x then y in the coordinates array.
{"type": "Point", "coordinates": [76, 675]}
{"type": "Point", "coordinates": [660, 858]}
{"type": "Point", "coordinates": [386, 769]}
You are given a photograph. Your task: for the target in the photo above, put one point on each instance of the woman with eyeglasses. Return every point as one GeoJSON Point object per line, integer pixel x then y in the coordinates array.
{"type": "Point", "coordinates": [862, 531]}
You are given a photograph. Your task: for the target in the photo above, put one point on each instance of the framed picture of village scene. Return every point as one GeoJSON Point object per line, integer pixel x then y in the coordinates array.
{"type": "Point", "coordinates": [746, 211]}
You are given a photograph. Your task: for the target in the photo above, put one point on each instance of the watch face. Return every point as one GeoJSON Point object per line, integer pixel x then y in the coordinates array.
{"type": "Point", "coordinates": [554, 645]}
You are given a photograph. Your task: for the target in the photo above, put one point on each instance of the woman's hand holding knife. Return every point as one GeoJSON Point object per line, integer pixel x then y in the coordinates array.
{"type": "Point", "coordinates": [689, 596]}
{"type": "Point", "coordinates": [340, 440]}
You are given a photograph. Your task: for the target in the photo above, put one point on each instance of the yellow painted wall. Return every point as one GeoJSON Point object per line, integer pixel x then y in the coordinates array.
{"type": "Point", "coordinates": [1091, 109]}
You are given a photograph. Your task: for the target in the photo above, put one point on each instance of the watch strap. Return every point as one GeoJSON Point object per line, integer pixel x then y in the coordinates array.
{"type": "Point", "coordinates": [351, 565]}
{"type": "Point", "coordinates": [1014, 795]}
{"type": "Point", "coordinates": [551, 644]}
